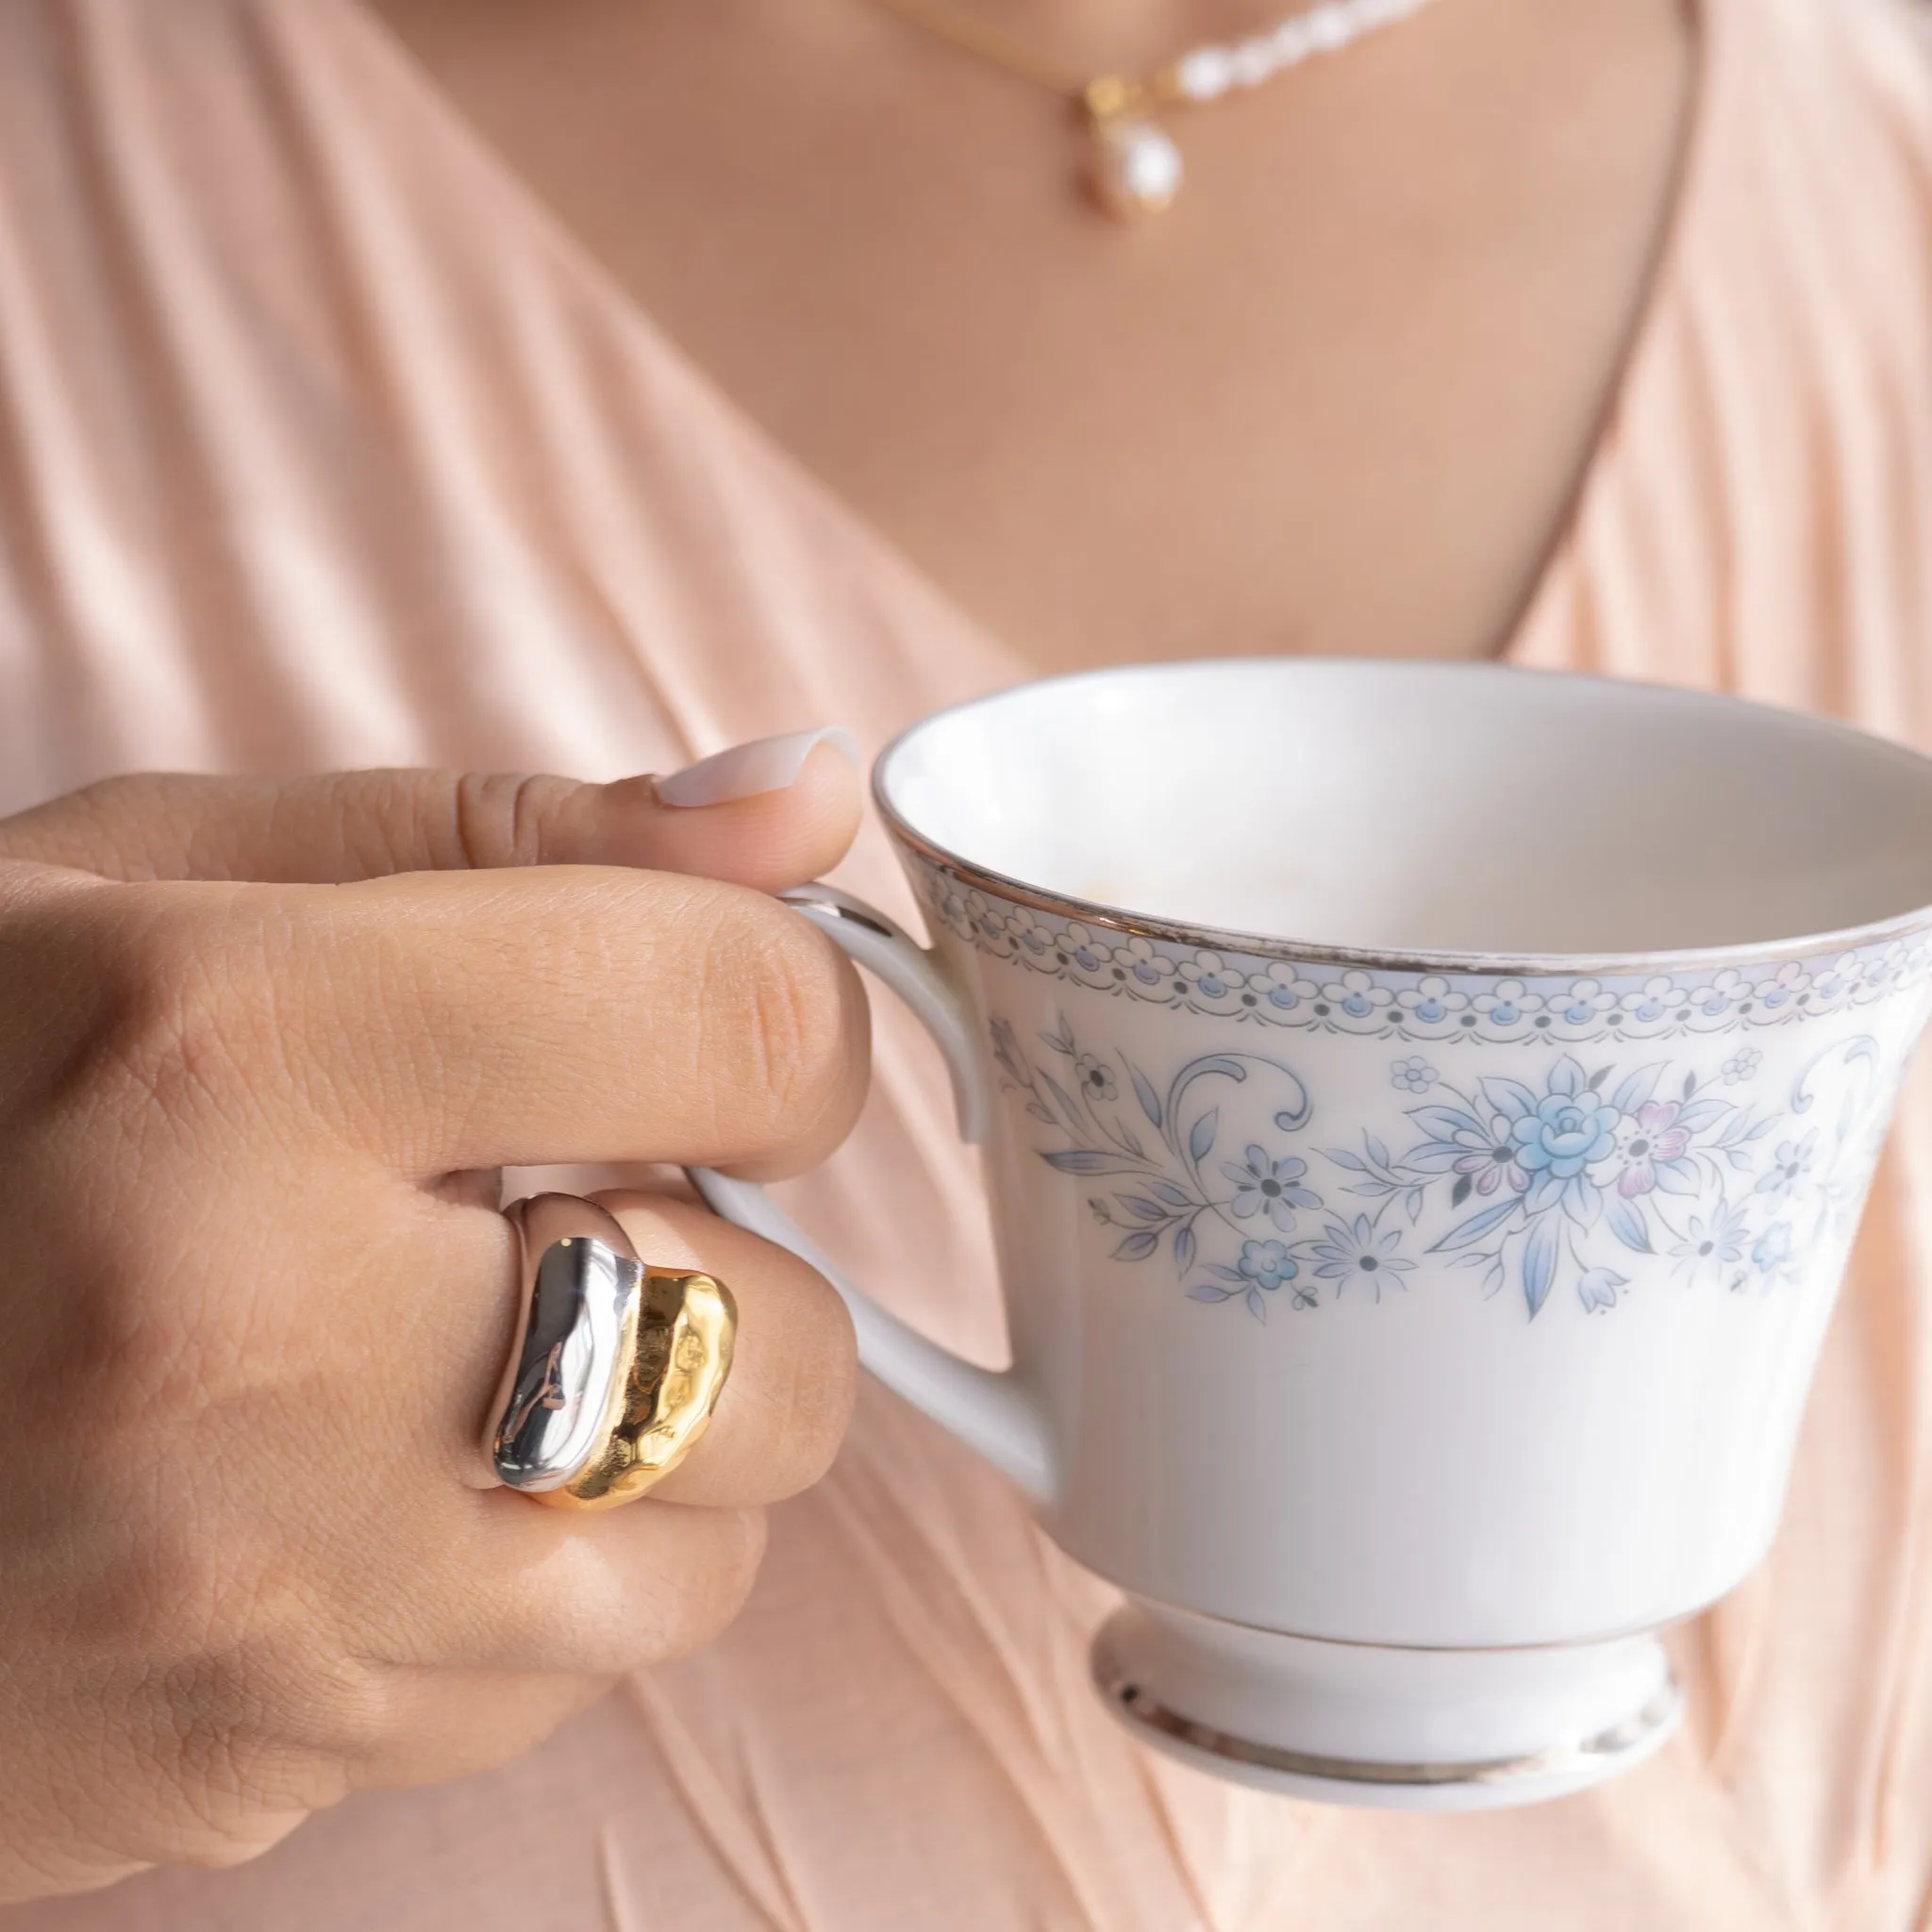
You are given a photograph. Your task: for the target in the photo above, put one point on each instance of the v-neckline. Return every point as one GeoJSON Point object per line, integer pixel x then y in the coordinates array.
{"type": "Point", "coordinates": [601, 291]}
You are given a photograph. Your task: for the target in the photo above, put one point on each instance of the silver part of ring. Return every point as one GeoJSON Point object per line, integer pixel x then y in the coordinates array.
{"type": "Point", "coordinates": [580, 1280]}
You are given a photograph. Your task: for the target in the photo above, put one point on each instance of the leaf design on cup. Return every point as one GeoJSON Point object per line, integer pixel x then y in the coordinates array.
{"type": "Point", "coordinates": [1559, 1181]}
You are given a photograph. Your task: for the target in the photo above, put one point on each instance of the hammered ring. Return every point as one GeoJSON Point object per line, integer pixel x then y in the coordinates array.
{"type": "Point", "coordinates": [615, 1367]}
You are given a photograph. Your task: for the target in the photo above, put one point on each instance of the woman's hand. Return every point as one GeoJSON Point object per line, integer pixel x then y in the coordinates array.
{"type": "Point", "coordinates": [256, 1296]}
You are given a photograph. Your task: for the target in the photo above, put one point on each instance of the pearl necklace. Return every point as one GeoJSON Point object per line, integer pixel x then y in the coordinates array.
{"type": "Point", "coordinates": [1136, 166]}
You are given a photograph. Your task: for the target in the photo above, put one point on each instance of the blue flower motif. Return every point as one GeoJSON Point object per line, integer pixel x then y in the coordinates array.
{"type": "Point", "coordinates": [1557, 1135]}
{"type": "Point", "coordinates": [1482, 1149]}
{"type": "Point", "coordinates": [1712, 1243]}
{"type": "Point", "coordinates": [1565, 1134]}
{"type": "Point", "coordinates": [1773, 1253]}
{"type": "Point", "coordinates": [1482, 1169]}
{"type": "Point", "coordinates": [1431, 1002]}
{"type": "Point", "coordinates": [1082, 950]}
{"type": "Point", "coordinates": [1285, 988]}
{"type": "Point", "coordinates": [1508, 1004]}
{"type": "Point", "coordinates": [1207, 977]}
{"type": "Point", "coordinates": [1267, 1264]}
{"type": "Point", "coordinates": [1358, 996]}
{"type": "Point", "coordinates": [1096, 1077]}
{"type": "Point", "coordinates": [1651, 1001]}
{"type": "Point", "coordinates": [1586, 1000]}
{"type": "Point", "coordinates": [1272, 1187]}
{"type": "Point", "coordinates": [1790, 1174]}
{"type": "Point", "coordinates": [1597, 1291]}
{"type": "Point", "coordinates": [1358, 1253]}
{"type": "Point", "coordinates": [1139, 959]}
{"type": "Point", "coordinates": [1546, 1144]}
{"type": "Point", "coordinates": [1025, 930]}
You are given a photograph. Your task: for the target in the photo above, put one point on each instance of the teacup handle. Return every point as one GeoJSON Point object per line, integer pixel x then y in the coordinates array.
{"type": "Point", "coordinates": [990, 1411]}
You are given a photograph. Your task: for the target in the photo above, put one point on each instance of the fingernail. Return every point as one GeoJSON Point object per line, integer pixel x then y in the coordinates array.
{"type": "Point", "coordinates": [743, 770]}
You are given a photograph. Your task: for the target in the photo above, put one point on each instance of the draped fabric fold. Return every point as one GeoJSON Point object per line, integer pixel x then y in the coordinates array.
{"type": "Point", "coordinates": [321, 445]}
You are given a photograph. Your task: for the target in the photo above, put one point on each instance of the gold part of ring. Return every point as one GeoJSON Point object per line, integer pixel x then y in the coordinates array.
{"type": "Point", "coordinates": [677, 1341]}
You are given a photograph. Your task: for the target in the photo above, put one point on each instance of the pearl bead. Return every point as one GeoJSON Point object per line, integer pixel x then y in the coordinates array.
{"type": "Point", "coordinates": [1328, 27]}
{"type": "Point", "coordinates": [1205, 75]}
{"type": "Point", "coordinates": [1291, 42]}
{"type": "Point", "coordinates": [1254, 62]}
{"type": "Point", "coordinates": [1137, 167]}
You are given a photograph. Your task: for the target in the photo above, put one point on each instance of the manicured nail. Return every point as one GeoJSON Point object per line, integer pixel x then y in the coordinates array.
{"type": "Point", "coordinates": [743, 770]}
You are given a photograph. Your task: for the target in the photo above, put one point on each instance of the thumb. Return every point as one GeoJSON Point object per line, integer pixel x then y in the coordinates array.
{"type": "Point", "coordinates": [766, 814]}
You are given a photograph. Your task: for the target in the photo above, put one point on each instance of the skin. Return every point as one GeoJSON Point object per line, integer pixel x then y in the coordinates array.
{"type": "Point", "coordinates": [1338, 399]}
{"type": "Point", "coordinates": [259, 1296]}
{"type": "Point", "coordinates": [262, 1048]}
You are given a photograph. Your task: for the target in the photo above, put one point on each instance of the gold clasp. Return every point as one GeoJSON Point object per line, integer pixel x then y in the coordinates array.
{"type": "Point", "coordinates": [1112, 95]}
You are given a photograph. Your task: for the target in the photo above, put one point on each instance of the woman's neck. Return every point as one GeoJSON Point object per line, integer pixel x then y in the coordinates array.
{"type": "Point", "coordinates": [1338, 399]}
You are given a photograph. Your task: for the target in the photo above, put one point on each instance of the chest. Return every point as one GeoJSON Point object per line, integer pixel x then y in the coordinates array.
{"type": "Point", "coordinates": [1337, 399]}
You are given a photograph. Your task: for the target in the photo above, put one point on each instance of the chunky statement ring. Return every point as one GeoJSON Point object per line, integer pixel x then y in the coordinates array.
{"type": "Point", "coordinates": [616, 1365]}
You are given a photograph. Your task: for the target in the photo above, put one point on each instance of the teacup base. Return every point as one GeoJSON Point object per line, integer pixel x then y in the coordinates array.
{"type": "Point", "coordinates": [1369, 1724]}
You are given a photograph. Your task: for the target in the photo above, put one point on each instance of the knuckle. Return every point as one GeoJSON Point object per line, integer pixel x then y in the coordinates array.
{"type": "Point", "coordinates": [133, 1031]}
{"type": "Point", "coordinates": [499, 818]}
{"type": "Point", "coordinates": [83, 827]}
{"type": "Point", "coordinates": [106, 802]}
{"type": "Point", "coordinates": [236, 1659]}
{"type": "Point", "coordinates": [134, 1116]}
{"type": "Point", "coordinates": [181, 1001]}
{"type": "Point", "coordinates": [791, 998]}
{"type": "Point", "coordinates": [170, 1595]}
{"type": "Point", "coordinates": [158, 1341]}
{"type": "Point", "coordinates": [249, 1744]}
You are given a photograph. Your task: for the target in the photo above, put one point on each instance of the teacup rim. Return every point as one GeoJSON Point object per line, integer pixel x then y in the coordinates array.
{"type": "Point", "coordinates": [1425, 961]}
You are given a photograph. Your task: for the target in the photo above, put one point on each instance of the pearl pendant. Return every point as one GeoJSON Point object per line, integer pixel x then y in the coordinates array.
{"type": "Point", "coordinates": [1136, 167]}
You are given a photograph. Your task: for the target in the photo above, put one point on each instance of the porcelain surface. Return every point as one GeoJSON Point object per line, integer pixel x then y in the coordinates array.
{"type": "Point", "coordinates": [1505, 1342]}
{"type": "Point", "coordinates": [1444, 1281]}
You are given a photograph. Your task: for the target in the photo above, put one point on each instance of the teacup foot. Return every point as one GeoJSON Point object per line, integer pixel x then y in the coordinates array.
{"type": "Point", "coordinates": [1369, 1724]}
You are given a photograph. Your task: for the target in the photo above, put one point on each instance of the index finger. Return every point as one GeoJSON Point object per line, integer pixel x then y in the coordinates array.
{"type": "Point", "coordinates": [447, 1021]}
{"type": "Point", "coordinates": [785, 814]}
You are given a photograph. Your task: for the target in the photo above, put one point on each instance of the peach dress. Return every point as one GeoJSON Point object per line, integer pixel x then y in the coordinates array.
{"type": "Point", "coordinates": [321, 446]}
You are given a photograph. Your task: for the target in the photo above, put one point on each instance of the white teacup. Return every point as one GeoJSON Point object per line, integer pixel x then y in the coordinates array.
{"type": "Point", "coordinates": [1426, 1109]}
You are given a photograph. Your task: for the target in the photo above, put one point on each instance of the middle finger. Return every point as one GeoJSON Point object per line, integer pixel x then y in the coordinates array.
{"type": "Point", "coordinates": [503, 1583]}
{"type": "Point", "coordinates": [562, 1015]}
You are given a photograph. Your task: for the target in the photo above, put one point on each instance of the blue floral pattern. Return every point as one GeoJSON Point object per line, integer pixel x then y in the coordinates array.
{"type": "Point", "coordinates": [1579, 1164]}
{"type": "Point", "coordinates": [1564, 1181]}
{"type": "Point", "coordinates": [1267, 1264]}
{"type": "Point", "coordinates": [1286, 993]}
{"type": "Point", "coordinates": [1362, 1253]}
{"type": "Point", "coordinates": [1225, 1226]}
{"type": "Point", "coordinates": [1274, 1187]}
